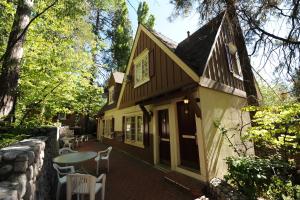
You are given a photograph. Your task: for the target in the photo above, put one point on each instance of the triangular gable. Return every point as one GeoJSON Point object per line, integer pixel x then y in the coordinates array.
{"type": "Point", "coordinates": [187, 70]}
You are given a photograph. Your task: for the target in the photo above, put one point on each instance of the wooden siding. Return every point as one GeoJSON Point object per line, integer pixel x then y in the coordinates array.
{"type": "Point", "coordinates": [165, 74]}
{"type": "Point", "coordinates": [218, 69]}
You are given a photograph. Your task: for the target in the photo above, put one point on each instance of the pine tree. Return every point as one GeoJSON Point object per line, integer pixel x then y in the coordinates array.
{"type": "Point", "coordinates": [121, 37]}
{"type": "Point", "coordinates": [144, 17]}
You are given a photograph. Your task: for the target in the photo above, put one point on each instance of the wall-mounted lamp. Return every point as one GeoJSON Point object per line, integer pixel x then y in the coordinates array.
{"type": "Point", "coordinates": [186, 100]}
{"type": "Point", "coordinates": [232, 48]}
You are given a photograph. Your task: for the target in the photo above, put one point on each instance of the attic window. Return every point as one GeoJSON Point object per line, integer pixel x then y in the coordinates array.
{"type": "Point", "coordinates": [141, 68]}
{"type": "Point", "coordinates": [111, 95]}
{"type": "Point", "coordinates": [233, 61]}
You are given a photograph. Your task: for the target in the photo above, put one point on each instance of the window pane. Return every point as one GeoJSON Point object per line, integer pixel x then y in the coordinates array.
{"type": "Point", "coordinates": [139, 129]}
{"type": "Point", "coordinates": [128, 127]}
{"type": "Point", "coordinates": [145, 68]}
{"type": "Point", "coordinates": [138, 75]}
{"type": "Point", "coordinates": [132, 128]}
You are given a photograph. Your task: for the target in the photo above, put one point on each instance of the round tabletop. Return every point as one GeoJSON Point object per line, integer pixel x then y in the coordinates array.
{"type": "Point", "coordinates": [76, 157]}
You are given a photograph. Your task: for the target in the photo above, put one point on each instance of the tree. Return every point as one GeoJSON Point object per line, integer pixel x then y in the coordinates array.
{"type": "Point", "coordinates": [143, 18]}
{"type": "Point", "coordinates": [120, 36]}
{"type": "Point", "coordinates": [12, 57]}
{"type": "Point", "coordinates": [256, 17]}
{"type": "Point", "coordinates": [58, 67]}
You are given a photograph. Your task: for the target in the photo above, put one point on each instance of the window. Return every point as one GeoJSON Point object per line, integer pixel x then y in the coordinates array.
{"type": "Point", "coordinates": [141, 64]}
{"type": "Point", "coordinates": [134, 130]}
{"type": "Point", "coordinates": [234, 63]}
{"type": "Point", "coordinates": [111, 92]}
{"type": "Point", "coordinates": [107, 128]}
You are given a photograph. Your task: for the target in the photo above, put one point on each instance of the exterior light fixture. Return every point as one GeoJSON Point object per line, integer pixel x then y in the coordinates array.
{"type": "Point", "coordinates": [232, 48]}
{"type": "Point", "coordinates": [185, 100]}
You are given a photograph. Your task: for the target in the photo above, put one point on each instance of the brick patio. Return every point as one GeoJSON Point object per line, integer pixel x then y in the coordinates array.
{"type": "Point", "coordinates": [132, 179]}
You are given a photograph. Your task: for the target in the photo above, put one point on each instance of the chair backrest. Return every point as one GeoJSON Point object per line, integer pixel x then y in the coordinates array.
{"type": "Point", "coordinates": [109, 150]}
{"type": "Point", "coordinates": [106, 152]}
{"type": "Point", "coordinates": [81, 184]}
{"type": "Point", "coordinates": [65, 151]}
{"type": "Point", "coordinates": [56, 167]}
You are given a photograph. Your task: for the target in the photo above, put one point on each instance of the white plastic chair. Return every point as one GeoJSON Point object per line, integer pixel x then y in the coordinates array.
{"type": "Point", "coordinates": [82, 184]}
{"type": "Point", "coordinates": [65, 151]}
{"type": "Point", "coordinates": [68, 143]}
{"type": "Point", "coordinates": [61, 176]}
{"type": "Point", "coordinates": [103, 155]}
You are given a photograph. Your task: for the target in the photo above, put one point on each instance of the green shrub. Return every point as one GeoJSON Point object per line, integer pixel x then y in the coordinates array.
{"type": "Point", "coordinates": [7, 139]}
{"type": "Point", "coordinates": [258, 177]}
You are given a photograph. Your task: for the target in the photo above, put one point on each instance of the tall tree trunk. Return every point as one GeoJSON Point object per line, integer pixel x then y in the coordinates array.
{"type": "Point", "coordinates": [249, 80]}
{"type": "Point", "coordinates": [12, 58]}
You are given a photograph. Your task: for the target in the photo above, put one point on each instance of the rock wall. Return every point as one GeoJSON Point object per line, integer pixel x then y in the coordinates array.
{"type": "Point", "coordinates": [26, 170]}
{"type": "Point", "coordinates": [221, 190]}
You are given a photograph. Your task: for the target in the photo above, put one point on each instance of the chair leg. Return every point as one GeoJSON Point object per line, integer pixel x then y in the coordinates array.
{"type": "Point", "coordinates": [58, 191]}
{"type": "Point", "coordinates": [102, 193]}
{"type": "Point", "coordinates": [107, 165]}
{"type": "Point", "coordinates": [97, 168]}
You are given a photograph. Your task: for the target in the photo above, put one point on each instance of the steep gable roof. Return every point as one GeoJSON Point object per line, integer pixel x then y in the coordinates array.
{"type": "Point", "coordinates": [195, 49]}
{"type": "Point", "coordinates": [167, 41]}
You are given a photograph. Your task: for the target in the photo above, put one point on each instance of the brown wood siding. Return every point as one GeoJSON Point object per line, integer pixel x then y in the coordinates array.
{"type": "Point", "coordinates": [165, 75]}
{"type": "Point", "coordinates": [218, 69]}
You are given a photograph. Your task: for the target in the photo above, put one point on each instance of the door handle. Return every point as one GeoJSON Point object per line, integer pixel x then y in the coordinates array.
{"type": "Point", "coordinates": [165, 139]}
{"type": "Point", "coordinates": [189, 136]}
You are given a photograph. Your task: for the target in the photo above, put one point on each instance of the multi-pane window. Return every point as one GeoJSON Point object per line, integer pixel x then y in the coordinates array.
{"type": "Point", "coordinates": [107, 128]}
{"type": "Point", "coordinates": [111, 95]}
{"type": "Point", "coordinates": [141, 64]}
{"type": "Point", "coordinates": [134, 129]}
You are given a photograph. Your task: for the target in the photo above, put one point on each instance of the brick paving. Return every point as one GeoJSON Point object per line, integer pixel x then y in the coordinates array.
{"type": "Point", "coordinates": [132, 179]}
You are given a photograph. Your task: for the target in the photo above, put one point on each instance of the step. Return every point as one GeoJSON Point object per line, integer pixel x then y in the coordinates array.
{"type": "Point", "coordinates": [195, 187]}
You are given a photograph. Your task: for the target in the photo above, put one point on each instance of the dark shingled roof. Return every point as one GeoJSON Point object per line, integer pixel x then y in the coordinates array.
{"type": "Point", "coordinates": [167, 41]}
{"type": "Point", "coordinates": [194, 50]}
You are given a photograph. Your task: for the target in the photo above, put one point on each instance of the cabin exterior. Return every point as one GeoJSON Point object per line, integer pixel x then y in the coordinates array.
{"type": "Point", "coordinates": [165, 108]}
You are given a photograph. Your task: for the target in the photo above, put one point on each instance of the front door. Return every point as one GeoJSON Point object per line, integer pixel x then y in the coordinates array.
{"type": "Point", "coordinates": [187, 136]}
{"type": "Point", "coordinates": [164, 136]}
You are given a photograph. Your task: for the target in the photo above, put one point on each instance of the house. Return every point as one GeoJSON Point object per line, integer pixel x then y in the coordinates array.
{"type": "Point", "coordinates": [165, 108]}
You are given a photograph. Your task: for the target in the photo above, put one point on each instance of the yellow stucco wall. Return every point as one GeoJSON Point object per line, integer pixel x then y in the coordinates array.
{"type": "Point", "coordinates": [118, 115]}
{"type": "Point", "coordinates": [223, 107]}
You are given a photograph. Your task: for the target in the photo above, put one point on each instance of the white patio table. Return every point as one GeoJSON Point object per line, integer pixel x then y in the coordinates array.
{"type": "Point", "coordinates": [75, 158]}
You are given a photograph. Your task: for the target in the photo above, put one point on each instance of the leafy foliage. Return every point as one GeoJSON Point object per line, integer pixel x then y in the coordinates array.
{"type": "Point", "coordinates": [7, 139]}
{"type": "Point", "coordinates": [143, 15]}
{"type": "Point", "coordinates": [275, 132]}
{"type": "Point", "coordinates": [259, 177]}
{"type": "Point", "coordinates": [57, 70]}
{"type": "Point", "coordinates": [277, 127]}
{"type": "Point", "coordinates": [121, 37]}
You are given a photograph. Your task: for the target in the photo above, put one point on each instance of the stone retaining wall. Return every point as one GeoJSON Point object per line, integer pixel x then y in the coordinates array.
{"type": "Point", "coordinates": [26, 170]}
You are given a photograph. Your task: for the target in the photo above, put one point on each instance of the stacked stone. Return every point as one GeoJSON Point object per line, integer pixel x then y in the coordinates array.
{"type": "Point", "coordinates": [221, 190]}
{"type": "Point", "coordinates": [20, 167]}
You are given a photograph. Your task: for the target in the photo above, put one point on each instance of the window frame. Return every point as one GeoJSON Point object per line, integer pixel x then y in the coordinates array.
{"type": "Point", "coordinates": [111, 92]}
{"type": "Point", "coordinates": [127, 138]}
{"type": "Point", "coordinates": [138, 62]}
{"type": "Point", "coordinates": [107, 133]}
{"type": "Point", "coordinates": [234, 58]}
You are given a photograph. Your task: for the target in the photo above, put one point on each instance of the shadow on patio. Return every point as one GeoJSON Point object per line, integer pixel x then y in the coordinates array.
{"type": "Point", "coordinates": [130, 178]}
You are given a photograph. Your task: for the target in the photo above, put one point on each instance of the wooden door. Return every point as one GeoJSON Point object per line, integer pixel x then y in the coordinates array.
{"type": "Point", "coordinates": [189, 155]}
{"type": "Point", "coordinates": [164, 136]}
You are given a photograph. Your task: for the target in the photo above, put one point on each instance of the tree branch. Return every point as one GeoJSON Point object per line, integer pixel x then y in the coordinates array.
{"type": "Point", "coordinates": [26, 28]}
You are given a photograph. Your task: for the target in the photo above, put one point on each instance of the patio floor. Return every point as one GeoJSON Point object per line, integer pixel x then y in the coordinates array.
{"type": "Point", "coordinates": [132, 179]}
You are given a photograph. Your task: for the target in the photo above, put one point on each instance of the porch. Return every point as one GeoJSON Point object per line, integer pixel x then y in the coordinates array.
{"type": "Point", "coordinates": [131, 178]}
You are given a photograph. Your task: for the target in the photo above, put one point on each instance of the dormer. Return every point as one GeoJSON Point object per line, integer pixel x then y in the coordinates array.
{"type": "Point", "coordinates": [113, 87]}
